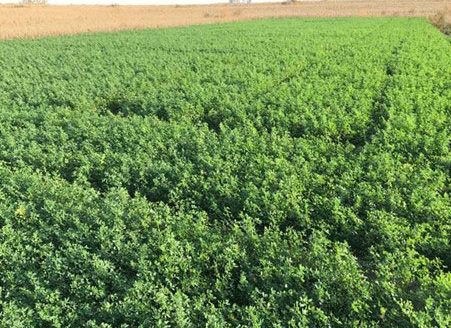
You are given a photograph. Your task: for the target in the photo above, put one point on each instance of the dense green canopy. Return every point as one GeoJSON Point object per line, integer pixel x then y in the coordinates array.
{"type": "Point", "coordinates": [274, 173]}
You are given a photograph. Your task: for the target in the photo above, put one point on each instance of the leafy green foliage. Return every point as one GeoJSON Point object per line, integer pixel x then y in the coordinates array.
{"type": "Point", "coordinates": [275, 173]}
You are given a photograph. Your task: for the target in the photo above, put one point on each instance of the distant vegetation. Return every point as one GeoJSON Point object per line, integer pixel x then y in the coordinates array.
{"type": "Point", "coordinates": [34, 2]}
{"type": "Point", "coordinates": [275, 173]}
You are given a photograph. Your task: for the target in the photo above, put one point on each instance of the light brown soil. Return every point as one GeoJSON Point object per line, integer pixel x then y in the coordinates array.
{"type": "Point", "coordinates": [31, 21]}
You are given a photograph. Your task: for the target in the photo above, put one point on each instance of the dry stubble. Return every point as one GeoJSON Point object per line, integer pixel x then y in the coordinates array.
{"type": "Point", "coordinates": [32, 21]}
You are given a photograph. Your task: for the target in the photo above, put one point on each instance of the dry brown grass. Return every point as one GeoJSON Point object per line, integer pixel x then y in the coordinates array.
{"type": "Point", "coordinates": [32, 21]}
{"type": "Point", "coordinates": [442, 20]}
